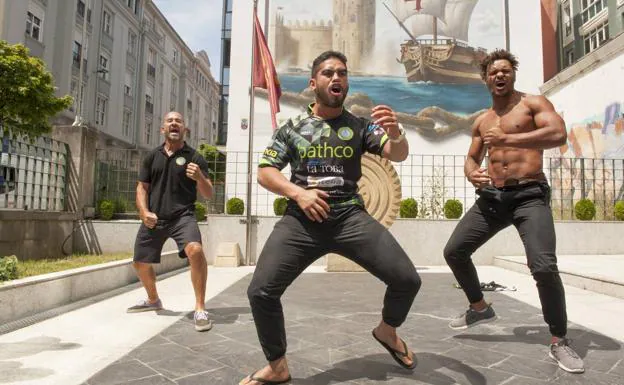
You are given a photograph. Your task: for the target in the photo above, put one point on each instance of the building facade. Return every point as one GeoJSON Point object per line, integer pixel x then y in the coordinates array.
{"type": "Point", "coordinates": [226, 39]}
{"type": "Point", "coordinates": [585, 85]}
{"type": "Point", "coordinates": [123, 63]}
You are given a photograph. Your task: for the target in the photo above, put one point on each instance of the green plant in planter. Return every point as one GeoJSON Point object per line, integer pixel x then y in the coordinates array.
{"type": "Point", "coordinates": [585, 210]}
{"type": "Point", "coordinates": [279, 206]}
{"type": "Point", "coordinates": [619, 210]}
{"type": "Point", "coordinates": [107, 209]}
{"type": "Point", "coordinates": [200, 211]}
{"type": "Point", "coordinates": [453, 209]}
{"type": "Point", "coordinates": [8, 268]}
{"type": "Point", "coordinates": [409, 208]}
{"type": "Point", "coordinates": [235, 206]}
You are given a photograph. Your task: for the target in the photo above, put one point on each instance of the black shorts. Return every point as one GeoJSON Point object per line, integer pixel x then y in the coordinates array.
{"type": "Point", "coordinates": [149, 242]}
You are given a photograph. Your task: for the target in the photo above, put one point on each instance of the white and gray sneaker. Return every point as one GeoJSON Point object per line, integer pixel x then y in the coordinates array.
{"type": "Point", "coordinates": [145, 305]}
{"type": "Point", "coordinates": [566, 357]}
{"type": "Point", "coordinates": [472, 318]}
{"type": "Point", "coordinates": [202, 322]}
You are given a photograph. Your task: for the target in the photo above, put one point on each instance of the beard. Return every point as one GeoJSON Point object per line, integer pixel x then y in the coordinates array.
{"type": "Point", "coordinates": [330, 100]}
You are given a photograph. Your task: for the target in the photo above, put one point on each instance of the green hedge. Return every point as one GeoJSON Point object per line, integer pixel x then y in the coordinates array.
{"type": "Point", "coordinates": [8, 268]}
{"type": "Point", "coordinates": [619, 210]}
{"type": "Point", "coordinates": [107, 209]}
{"type": "Point", "coordinates": [200, 211]}
{"type": "Point", "coordinates": [279, 206]}
{"type": "Point", "coordinates": [585, 210]}
{"type": "Point", "coordinates": [409, 208]}
{"type": "Point", "coordinates": [235, 206]}
{"type": "Point", "coordinates": [453, 209]}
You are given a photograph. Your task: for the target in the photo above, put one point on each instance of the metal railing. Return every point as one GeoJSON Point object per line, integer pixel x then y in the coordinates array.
{"type": "Point", "coordinates": [34, 175]}
{"type": "Point", "coordinates": [430, 179]}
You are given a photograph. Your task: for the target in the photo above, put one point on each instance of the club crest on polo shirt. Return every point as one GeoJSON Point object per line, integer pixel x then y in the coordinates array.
{"type": "Point", "coordinates": [180, 161]}
{"type": "Point", "coordinates": [345, 133]}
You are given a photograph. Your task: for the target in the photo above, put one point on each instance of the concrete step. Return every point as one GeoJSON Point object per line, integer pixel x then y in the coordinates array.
{"type": "Point", "coordinates": [598, 273]}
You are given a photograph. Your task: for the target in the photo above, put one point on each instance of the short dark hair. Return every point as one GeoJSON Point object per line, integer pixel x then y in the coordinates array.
{"type": "Point", "coordinates": [499, 54]}
{"type": "Point", "coordinates": [324, 56]}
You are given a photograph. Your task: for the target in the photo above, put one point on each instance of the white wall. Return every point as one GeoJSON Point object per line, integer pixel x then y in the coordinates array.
{"type": "Point", "coordinates": [525, 35]}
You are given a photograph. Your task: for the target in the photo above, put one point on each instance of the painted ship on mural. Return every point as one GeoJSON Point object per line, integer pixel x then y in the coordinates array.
{"type": "Point", "coordinates": [445, 55]}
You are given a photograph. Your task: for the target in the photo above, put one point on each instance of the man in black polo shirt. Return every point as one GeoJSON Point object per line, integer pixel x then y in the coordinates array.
{"type": "Point", "coordinates": [169, 178]}
{"type": "Point", "coordinates": [325, 214]}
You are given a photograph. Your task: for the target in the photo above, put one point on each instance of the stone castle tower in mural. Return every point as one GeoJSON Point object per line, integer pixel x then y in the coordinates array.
{"type": "Point", "coordinates": [296, 43]}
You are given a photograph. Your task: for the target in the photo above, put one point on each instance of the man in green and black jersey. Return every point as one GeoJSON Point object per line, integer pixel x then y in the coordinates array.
{"type": "Point", "coordinates": [326, 214]}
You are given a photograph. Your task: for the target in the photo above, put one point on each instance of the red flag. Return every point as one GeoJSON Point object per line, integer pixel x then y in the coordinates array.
{"type": "Point", "coordinates": [264, 74]}
{"type": "Point", "coordinates": [418, 5]}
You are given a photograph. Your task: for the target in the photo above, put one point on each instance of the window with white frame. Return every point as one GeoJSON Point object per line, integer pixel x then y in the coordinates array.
{"type": "Point", "coordinates": [100, 110]}
{"type": "Point", "coordinates": [132, 42]}
{"type": "Point", "coordinates": [590, 8]}
{"type": "Point", "coordinates": [125, 123]}
{"type": "Point", "coordinates": [34, 25]}
{"type": "Point", "coordinates": [104, 69]}
{"type": "Point", "coordinates": [567, 19]}
{"type": "Point", "coordinates": [76, 53]}
{"type": "Point", "coordinates": [128, 80]}
{"type": "Point", "coordinates": [175, 55]}
{"type": "Point", "coordinates": [597, 37]}
{"type": "Point", "coordinates": [107, 22]}
{"type": "Point", "coordinates": [148, 131]}
{"type": "Point", "coordinates": [569, 57]}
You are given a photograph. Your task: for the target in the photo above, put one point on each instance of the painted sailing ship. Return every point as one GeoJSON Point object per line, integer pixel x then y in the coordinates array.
{"type": "Point", "coordinates": [445, 55]}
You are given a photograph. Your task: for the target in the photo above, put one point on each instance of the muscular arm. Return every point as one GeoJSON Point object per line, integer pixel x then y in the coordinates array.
{"type": "Point", "coordinates": [204, 185]}
{"type": "Point", "coordinates": [476, 151]}
{"type": "Point", "coordinates": [273, 180]}
{"type": "Point", "coordinates": [550, 128]}
{"type": "Point", "coordinates": [141, 197]}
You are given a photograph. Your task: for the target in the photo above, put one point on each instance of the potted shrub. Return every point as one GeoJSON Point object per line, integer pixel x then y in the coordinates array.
{"type": "Point", "coordinates": [619, 210]}
{"type": "Point", "coordinates": [279, 206]}
{"type": "Point", "coordinates": [200, 211]}
{"type": "Point", "coordinates": [107, 209]}
{"type": "Point", "coordinates": [585, 210]}
{"type": "Point", "coordinates": [409, 208]}
{"type": "Point", "coordinates": [453, 209]}
{"type": "Point", "coordinates": [235, 206]}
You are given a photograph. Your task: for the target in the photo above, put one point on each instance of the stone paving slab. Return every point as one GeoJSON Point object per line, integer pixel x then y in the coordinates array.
{"type": "Point", "coordinates": [329, 318]}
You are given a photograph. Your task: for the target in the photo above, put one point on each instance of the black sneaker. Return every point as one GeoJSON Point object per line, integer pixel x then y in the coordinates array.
{"type": "Point", "coordinates": [567, 358]}
{"type": "Point", "coordinates": [472, 317]}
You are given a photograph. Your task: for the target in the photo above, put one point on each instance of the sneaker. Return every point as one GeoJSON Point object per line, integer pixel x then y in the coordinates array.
{"type": "Point", "coordinates": [145, 305]}
{"type": "Point", "coordinates": [202, 322]}
{"type": "Point", "coordinates": [472, 317]}
{"type": "Point", "coordinates": [567, 358]}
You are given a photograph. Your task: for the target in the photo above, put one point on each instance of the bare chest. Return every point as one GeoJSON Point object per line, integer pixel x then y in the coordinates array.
{"type": "Point", "coordinates": [518, 119]}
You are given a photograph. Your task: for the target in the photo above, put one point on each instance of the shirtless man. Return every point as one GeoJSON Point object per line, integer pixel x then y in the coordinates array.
{"type": "Point", "coordinates": [512, 190]}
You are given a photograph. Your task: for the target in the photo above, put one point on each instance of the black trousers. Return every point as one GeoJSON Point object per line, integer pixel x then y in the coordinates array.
{"type": "Point", "coordinates": [296, 242]}
{"type": "Point", "coordinates": [527, 207]}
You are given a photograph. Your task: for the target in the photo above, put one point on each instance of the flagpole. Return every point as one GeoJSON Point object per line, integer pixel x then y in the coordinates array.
{"type": "Point", "coordinates": [250, 139]}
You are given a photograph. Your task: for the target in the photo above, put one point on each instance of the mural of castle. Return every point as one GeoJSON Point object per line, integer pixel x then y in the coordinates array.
{"type": "Point", "coordinates": [296, 43]}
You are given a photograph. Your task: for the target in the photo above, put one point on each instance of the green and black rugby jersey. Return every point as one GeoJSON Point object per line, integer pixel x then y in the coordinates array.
{"type": "Point", "coordinates": [325, 154]}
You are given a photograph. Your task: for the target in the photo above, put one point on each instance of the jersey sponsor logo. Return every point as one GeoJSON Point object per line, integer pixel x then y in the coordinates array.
{"type": "Point", "coordinates": [325, 168]}
{"type": "Point", "coordinates": [180, 161]}
{"type": "Point", "coordinates": [326, 181]}
{"type": "Point", "coordinates": [270, 153]}
{"type": "Point", "coordinates": [345, 133]}
{"type": "Point", "coordinates": [325, 151]}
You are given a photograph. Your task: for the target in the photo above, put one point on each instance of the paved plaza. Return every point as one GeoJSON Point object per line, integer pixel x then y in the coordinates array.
{"type": "Point", "coordinates": [329, 322]}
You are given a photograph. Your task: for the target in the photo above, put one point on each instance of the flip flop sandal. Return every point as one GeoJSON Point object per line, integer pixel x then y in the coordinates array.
{"type": "Point", "coordinates": [397, 354]}
{"type": "Point", "coordinates": [268, 382]}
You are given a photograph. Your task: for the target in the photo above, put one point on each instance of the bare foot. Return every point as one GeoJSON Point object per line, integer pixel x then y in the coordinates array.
{"type": "Point", "coordinates": [387, 334]}
{"type": "Point", "coordinates": [276, 371]}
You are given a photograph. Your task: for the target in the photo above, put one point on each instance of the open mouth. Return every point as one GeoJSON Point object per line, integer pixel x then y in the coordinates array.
{"type": "Point", "coordinates": [500, 84]}
{"type": "Point", "coordinates": [174, 130]}
{"type": "Point", "coordinates": [335, 89]}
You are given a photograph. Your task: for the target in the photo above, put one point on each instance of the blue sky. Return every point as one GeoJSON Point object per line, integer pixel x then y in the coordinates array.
{"type": "Point", "coordinates": [198, 22]}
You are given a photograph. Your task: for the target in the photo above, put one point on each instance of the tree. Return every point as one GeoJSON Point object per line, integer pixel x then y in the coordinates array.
{"type": "Point", "coordinates": [27, 99]}
{"type": "Point", "coordinates": [216, 162]}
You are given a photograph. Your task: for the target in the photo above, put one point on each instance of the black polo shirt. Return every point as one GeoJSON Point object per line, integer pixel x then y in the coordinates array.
{"type": "Point", "coordinates": [171, 192]}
